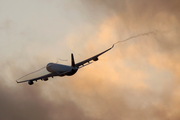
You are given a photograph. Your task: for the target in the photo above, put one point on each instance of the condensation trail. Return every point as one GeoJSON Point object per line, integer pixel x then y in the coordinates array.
{"type": "Point", "coordinates": [62, 59]}
{"type": "Point", "coordinates": [143, 34]}
{"type": "Point", "coordinates": [38, 70]}
{"type": "Point", "coordinates": [31, 73]}
{"type": "Point", "coordinates": [58, 59]}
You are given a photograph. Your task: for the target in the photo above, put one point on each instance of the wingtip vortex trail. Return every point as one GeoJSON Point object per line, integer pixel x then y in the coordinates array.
{"type": "Point", "coordinates": [135, 36]}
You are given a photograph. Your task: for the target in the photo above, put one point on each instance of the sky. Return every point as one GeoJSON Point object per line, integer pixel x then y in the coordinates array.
{"type": "Point", "coordinates": [137, 80]}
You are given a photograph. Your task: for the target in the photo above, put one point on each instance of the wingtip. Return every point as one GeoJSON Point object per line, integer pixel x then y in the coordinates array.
{"type": "Point", "coordinates": [112, 46]}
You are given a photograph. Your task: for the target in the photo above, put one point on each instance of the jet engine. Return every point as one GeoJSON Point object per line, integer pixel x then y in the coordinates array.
{"type": "Point", "coordinates": [95, 59]}
{"type": "Point", "coordinates": [45, 79]}
{"type": "Point", "coordinates": [30, 82]}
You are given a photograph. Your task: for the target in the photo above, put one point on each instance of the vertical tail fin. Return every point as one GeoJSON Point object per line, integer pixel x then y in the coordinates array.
{"type": "Point", "coordinates": [72, 60]}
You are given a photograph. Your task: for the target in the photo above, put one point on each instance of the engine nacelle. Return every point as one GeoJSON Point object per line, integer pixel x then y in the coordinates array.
{"type": "Point", "coordinates": [95, 59]}
{"type": "Point", "coordinates": [45, 79]}
{"type": "Point", "coordinates": [30, 82]}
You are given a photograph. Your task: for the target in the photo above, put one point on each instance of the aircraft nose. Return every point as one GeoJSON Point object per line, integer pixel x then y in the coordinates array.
{"type": "Point", "coordinates": [48, 67]}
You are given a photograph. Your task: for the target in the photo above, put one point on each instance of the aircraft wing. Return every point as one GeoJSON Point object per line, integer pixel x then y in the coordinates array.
{"type": "Point", "coordinates": [38, 78]}
{"type": "Point", "coordinates": [95, 58]}
{"type": "Point", "coordinates": [44, 77]}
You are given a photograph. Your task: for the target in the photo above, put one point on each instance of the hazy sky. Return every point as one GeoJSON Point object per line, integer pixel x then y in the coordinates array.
{"type": "Point", "coordinates": [136, 80]}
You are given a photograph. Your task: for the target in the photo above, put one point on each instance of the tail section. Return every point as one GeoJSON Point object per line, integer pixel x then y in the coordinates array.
{"type": "Point", "coordinates": [72, 60]}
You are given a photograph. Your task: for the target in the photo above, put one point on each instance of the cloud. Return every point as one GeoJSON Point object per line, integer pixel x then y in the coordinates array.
{"type": "Point", "coordinates": [136, 80]}
{"type": "Point", "coordinates": [143, 72]}
{"type": "Point", "coordinates": [21, 101]}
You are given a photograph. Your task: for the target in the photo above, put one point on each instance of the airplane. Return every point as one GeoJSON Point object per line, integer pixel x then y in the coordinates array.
{"type": "Point", "coordinates": [64, 70]}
